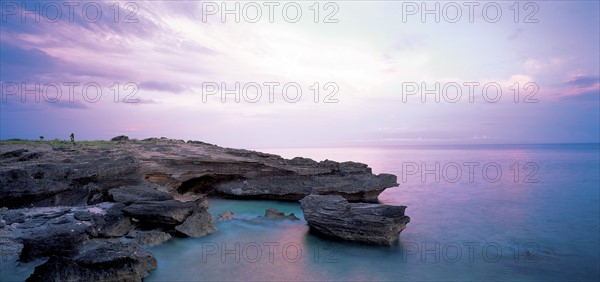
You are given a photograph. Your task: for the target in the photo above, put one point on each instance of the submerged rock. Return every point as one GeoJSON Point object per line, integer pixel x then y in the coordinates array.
{"type": "Point", "coordinates": [107, 261]}
{"type": "Point", "coordinates": [334, 216]}
{"type": "Point", "coordinates": [226, 216]}
{"type": "Point", "coordinates": [277, 214]}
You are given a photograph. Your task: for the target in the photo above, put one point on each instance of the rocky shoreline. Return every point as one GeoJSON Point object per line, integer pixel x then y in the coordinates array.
{"type": "Point", "coordinates": [89, 208]}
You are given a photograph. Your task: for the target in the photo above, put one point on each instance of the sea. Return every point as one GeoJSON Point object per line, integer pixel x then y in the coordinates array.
{"type": "Point", "coordinates": [477, 212]}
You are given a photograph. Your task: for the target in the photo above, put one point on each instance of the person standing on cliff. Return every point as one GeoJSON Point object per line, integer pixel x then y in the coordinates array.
{"type": "Point", "coordinates": [73, 138]}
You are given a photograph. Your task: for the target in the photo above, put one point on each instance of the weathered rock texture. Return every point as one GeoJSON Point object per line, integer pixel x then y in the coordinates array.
{"type": "Point", "coordinates": [334, 216]}
{"type": "Point", "coordinates": [107, 261]}
{"type": "Point", "coordinates": [37, 174]}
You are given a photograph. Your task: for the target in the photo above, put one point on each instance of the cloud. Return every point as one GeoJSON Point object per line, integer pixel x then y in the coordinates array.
{"type": "Point", "coordinates": [584, 81]}
{"type": "Point", "coordinates": [161, 86]}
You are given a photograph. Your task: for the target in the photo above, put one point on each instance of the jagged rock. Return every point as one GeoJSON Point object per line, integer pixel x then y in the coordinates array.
{"type": "Point", "coordinates": [169, 213]}
{"type": "Point", "coordinates": [130, 194]}
{"type": "Point", "coordinates": [334, 216]}
{"type": "Point", "coordinates": [46, 181]}
{"type": "Point", "coordinates": [106, 261]}
{"type": "Point", "coordinates": [152, 238]}
{"type": "Point", "coordinates": [112, 224]}
{"type": "Point", "coordinates": [198, 224]}
{"type": "Point", "coordinates": [226, 216]}
{"type": "Point", "coordinates": [277, 214]}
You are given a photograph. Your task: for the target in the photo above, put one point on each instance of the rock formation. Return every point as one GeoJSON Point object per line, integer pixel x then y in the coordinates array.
{"type": "Point", "coordinates": [37, 174]}
{"type": "Point", "coordinates": [334, 216]}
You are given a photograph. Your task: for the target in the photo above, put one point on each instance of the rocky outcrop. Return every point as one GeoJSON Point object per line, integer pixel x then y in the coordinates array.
{"type": "Point", "coordinates": [106, 261]}
{"type": "Point", "coordinates": [37, 174]}
{"type": "Point", "coordinates": [59, 178]}
{"type": "Point", "coordinates": [334, 216]}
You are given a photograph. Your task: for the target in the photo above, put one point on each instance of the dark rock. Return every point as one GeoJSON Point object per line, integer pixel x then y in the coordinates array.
{"type": "Point", "coordinates": [13, 154]}
{"type": "Point", "coordinates": [65, 184]}
{"type": "Point", "coordinates": [131, 234]}
{"type": "Point", "coordinates": [112, 224]}
{"type": "Point", "coordinates": [226, 216]}
{"type": "Point", "coordinates": [30, 156]}
{"type": "Point", "coordinates": [335, 217]}
{"type": "Point", "coordinates": [277, 214]}
{"type": "Point", "coordinates": [130, 194]}
{"type": "Point", "coordinates": [171, 212]}
{"type": "Point", "coordinates": [120, 138]}
{"type": "Point", "coordinates": [198, 224]}
{"type": "Point", "coordinates": [83, 215]}
{"type": "Point", "coordinates": [13, 216]}
{"type": "Point", "coordinates": [99, 262]}
{"type": "Point", "coordinates": [152, 238]}
{"type": "Point", "coordinates": [47, 240]}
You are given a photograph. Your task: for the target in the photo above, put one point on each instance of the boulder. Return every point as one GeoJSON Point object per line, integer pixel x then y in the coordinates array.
{"type": "Point", "coordinates": [198, 224]}
{"type": "Point", "coordinates": [333, 216]}
{"type": "Point", "coordinates": [107, 261]}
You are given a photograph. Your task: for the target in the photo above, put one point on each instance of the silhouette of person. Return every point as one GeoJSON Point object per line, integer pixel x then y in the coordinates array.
{"type": "Point", "coordinates": [73, 138]}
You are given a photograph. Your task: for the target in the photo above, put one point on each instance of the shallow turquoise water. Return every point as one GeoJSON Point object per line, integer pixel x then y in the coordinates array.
{"type": "Point", "coordinates": [473, 229]}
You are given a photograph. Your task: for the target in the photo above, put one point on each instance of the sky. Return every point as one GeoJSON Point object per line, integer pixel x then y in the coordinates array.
{"type": "Point", "coordinates": [302, 74]}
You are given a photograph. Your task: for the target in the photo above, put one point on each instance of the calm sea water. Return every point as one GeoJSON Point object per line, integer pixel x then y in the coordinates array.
{"type": "Point", "coordinates": [510, 212]}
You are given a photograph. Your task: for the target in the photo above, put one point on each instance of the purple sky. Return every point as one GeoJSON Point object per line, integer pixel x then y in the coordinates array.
{"type": "Point", "coordinates": [170, 58]}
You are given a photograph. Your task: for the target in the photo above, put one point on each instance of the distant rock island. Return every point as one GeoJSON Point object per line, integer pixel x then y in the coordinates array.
{"type": "Point", "coordinates": [72, 201]}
